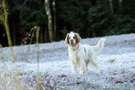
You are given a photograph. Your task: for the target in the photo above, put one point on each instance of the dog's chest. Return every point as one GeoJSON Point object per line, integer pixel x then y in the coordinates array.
{"type": "Point", "coordinates": [74, 54]}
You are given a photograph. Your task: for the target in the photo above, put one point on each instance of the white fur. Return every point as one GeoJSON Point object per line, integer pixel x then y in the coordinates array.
{"type": "Point", "coordinates": [82, 55]}
{"type": "Point", "coordinates": [72, 35]}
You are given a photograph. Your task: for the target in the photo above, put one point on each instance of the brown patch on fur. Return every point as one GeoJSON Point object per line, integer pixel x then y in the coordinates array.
{"type": "Point", "coordinates": [67, 39]}
{"type": "Point", "coordinates": [77, 38]}
{"type": "Point", "coordinates": [84, 49]}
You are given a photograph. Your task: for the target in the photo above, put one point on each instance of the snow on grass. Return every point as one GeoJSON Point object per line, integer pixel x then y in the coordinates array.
{"type": "Point", "coordinates": [116, 62]}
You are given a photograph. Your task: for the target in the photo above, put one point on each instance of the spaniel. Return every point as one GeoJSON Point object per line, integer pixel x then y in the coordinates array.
{"type": "Point", "coordinates": [82, 55]}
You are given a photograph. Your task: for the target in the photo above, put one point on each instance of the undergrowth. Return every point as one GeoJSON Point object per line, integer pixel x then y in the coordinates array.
{"type": "Point", "coordinates": [10, 80]}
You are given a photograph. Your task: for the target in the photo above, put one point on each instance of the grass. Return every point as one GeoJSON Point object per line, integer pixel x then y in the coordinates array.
{"type": "Point", "coordinates": [4, 21]}
{"type": "Point", "coordinates": [11, 80]}
{"type": "Point", "coordinates": [112, 60]}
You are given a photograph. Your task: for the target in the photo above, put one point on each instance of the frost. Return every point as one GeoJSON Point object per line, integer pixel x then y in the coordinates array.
{"type": "Point", "coordinates": [116, 63]}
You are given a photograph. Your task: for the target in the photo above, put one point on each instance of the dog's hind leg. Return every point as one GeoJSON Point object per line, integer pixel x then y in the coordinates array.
{"type": "Point", "coordinates": [93, 60]}
{"type": "Point", "coordinates": [96, 66]}
{"type": "Point", "coordinates": [87, 62]}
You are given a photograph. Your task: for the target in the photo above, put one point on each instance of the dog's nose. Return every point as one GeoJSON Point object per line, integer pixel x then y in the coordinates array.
{"type": "Point", "coordinates": [71, 40]}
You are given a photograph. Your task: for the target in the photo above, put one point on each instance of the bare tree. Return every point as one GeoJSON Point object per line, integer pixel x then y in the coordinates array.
{"type": "Point", "coordinates": [54, 19]}
{"type": "Point", "coordinates": [48, 12]}
{"type": "Point", "coordinates": [21, 9]}
{"type": "Point", "coordinates": [111, 5]}
{"type": "Point", "coordinates": [120, 4]}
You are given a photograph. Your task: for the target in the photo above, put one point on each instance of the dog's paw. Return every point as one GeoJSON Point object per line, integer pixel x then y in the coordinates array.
{"type": "Point", "coordinates": [82, 72]}
{"type": "Point", "coordinates": [97, 70]}
{"type": "Point", "coordinates": [74, 71]}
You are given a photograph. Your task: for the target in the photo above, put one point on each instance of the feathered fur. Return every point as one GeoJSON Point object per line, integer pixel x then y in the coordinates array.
{"type": "Point", "coordinates": [82, 55]}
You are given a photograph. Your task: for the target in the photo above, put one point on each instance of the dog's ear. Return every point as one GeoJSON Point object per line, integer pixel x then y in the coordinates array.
{"type": "Point", "coordinates": [67, 39]}
{"type": "Point", "coordinates": [78, 38]}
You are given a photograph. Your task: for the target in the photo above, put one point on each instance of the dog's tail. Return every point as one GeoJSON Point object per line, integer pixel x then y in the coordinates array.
{"type": "Point", "coordinates": [99, 45]}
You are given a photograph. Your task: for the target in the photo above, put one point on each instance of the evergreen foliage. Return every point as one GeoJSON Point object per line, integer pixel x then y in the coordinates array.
{"type": "Point", "coordinates": [90, 18]}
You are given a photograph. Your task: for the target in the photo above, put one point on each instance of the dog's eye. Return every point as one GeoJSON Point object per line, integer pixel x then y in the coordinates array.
{"type": "Point", "coordinates": [74, 37]}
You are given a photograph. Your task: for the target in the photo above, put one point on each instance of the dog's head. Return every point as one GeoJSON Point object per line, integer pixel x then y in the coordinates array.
{"type": "Point", "coordinates": [72, 38]}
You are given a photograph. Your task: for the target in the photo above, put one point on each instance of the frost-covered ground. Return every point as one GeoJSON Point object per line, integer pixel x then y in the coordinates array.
{"type": "Point", "coordinates": [116, 62]}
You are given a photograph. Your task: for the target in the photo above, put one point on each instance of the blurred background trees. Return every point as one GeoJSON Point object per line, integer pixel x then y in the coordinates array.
{"type": "Point", "coordinates": [90, 18]}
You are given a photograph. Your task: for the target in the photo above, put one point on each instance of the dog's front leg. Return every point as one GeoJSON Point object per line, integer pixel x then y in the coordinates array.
{"type": "Point", "coordinates": [82, 65]}
{"type": "Point", "coordinates": [73, 63]}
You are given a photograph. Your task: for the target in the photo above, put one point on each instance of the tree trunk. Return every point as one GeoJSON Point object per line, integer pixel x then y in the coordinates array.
{"type": "Point", "coordinates": [41, 36]}
{"type": "Point", "coordinates": [120, 4]}
{"type": "Point", "coordinates": [93, 33]}
{"type": "Point", "coordinates": [46, 35]}
{"type": "Point", "coordinates": [65, 31]}
{"type": "Point", "coordinates": [73, 26]}
{"type": "Point", "coordinates": [111, 5]}
{"type": "Point", "coordinates": [54, 19]}
{"type": "Point", "coordinates": [48, 12]}
{"type": "Point", "coordinates": [88, 30]}
{"type": "Point", "coordinates": [21, 8]}
{"type": "Point", "coordinates": [14, 34]}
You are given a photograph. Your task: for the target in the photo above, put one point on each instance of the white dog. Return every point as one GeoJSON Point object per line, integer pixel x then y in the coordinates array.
{"type": "Point", "coordinates": [82, 55]}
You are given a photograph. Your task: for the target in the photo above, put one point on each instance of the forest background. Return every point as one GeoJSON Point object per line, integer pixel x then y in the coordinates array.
{"type": "Point", "coordinates": [89, 18]}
